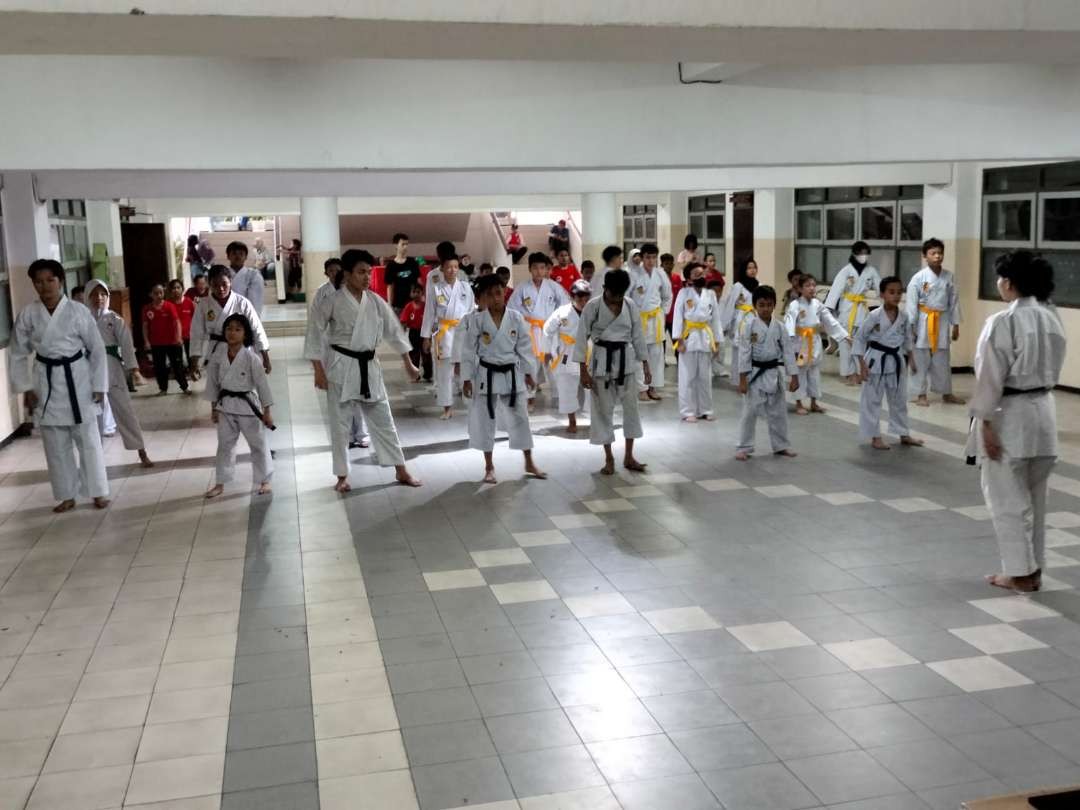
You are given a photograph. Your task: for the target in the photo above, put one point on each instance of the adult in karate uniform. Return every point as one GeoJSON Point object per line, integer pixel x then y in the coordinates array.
{"type": "Point", "coordinates": [536, 299]}
{"type": "Point", "coordinates": [211, 312]}
{"type": "Point", "coordinates": [560, 334]}
{"type": "Point", "coordinates": [122, 364]}
{"type": "Point", "coordinates": [933, 306]}
{"type": "Point", "coordinates": [806, 315]}
{"type": "Point", "coordinates": [449, 299]}
{"type": "Point", "coordinates": [357, 322]}
{"type": "Point", "coordinates": [851, 293]}
{"type": "Point", "coordinates": [64, 391]}
{"type": "Point", "coordinates": [246, 281]}
{"type": "Point", "coordinates": [698, 334]}
{"type": "Point", "coordinates": [1013, 435]}
{"type": "Point", "coordinates": [650, 290]}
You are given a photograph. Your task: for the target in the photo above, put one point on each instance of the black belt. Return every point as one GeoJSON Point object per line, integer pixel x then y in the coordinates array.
{"type": "Point", "coordinates": [888, 351]}
{"type": "Point", "coordinates": [246, 396]}
{"type": "Point", "coordinates": [213, 339]}
{"type": "Point", "coordinates": [363, 358]}
{"type": "Point", "coordinates": [69, 378]}
{"type": "Point", "coordinates": [114, 351]}
{"type": "Point", "coordinates": [762, 366]}
{"type": "Point", "coordinates": [609, 346]}
{"type": "Point", "coordinates": [1015, 392]}
{"type": "Point", "coordinates": [492, 370]}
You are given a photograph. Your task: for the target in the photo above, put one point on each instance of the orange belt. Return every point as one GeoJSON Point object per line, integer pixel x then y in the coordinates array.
{"type": "Point", "coordinates": [569, 341]}
{"type": "Point", "coordinates": [807, 334]}
{"type": "Point", "coordinates": [933, 325]}
{"type": "Point", "coordinates": [445, 326]}
{"type": "Point", "coordinates": [536, 323]}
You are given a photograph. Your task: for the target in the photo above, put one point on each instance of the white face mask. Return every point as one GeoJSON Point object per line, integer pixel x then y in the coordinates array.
{"type": "Point", "coordinates": [863, 257]}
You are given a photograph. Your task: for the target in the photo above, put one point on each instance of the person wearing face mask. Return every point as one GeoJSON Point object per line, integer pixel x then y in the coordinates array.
{"type": "Point", "coordinates": [560, 334]}
{"type": "Point", "coordinates": [850, 295]}
{"type": "Point", "coordinates": [698, 334]}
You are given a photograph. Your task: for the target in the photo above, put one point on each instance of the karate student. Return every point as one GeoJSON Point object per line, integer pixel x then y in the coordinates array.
{"type": "Point", "coordinates": [536, 300]}
{"type": "Point", "coordinates": [612, 257]}
{"type": "Point", "coordinates": [588, 270]}
{"type": "Point", "coordinates": [882, 344]}
{"type": "Point", "coordinates": [449, 299]}
{"type": "Point", "coordinates": [765, 356]}
{"type": "Point", "coordinates": [240, 400]}
{"type": "Point", "coordinates": [356, 323]}
{"type": "Point", "coordinates": [246, 281]}
{"type": "Point", "coordinates": [805, 318]}
{"type": "Point", "coordinates": [650, 290]}
{"type": "Point", "coordinates": [792, 292]}
{"type": "Point", "coordinates": [1018, 361]}
{"type": "Point", "coordinates": [496, 372]}
{"type": "Point", "coordinates": [738, 306]}
{"type": "Point", "coordinates": [122, 366]}
{"type": "Point", "coordinates": [850, 294]}
{"type": "Point", "coordinates": [65, 390]}
{"type": "Point", "coordinates": [560, 334]}
{"type": "Point", "coordinates": [698, 334]}
{"type": "Point", "coordinates": [211, 312]}
{"type": "Point", "coordinates": [613, 325]}
{"type": "Point", "coordinates": [933, 306]}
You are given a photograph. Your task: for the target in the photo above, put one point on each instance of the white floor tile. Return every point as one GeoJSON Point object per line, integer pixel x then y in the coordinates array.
{"type": "Point", "coordinates": [979, 673]}
{"type": "Point", "coordinates": [665, 478]}
{"type": "Point", "coordinates": [781, 491]}
{"type": "Point", "coordinates": [843, 498]}
{"type": "Point", "coordinates": [450, 580]}
{"type": "Point", "coordinates": [680, 620]}
{"type": "Point", "coordinates": [576, 521]}
{"type": "Point", "coordinates": [1055, 559]}
{"type": "Point", "coordinates": [720, 484]}
{"type": "Point", "coordinates": [1014, 608]}
{"type": "Point", "coordinates": [186, 739]}
{"type": "Point", "coordinates": [176, 779]}
{"type": "Point", "coordinates": [547, 537]}
{"type": "Point", "coordinates": [642, 491]}
{"type": "Point", "coordinates": [598, 604]}
{"type": "Point", "coordinates": [870, 653]}
{"type": "Point", "coordinates": [994, 639]}
{"type": "Point", "coordinates": [594, 798]}
{"type": "Point", "coordinates": [502, 556]}
{"type": "Point", "coordinates": [609, 505]}
{"type": "Point", "coordinates": [533, 591]}
{"type": "Point", "coordinates": [770, 636]}
{"type": "Point", "coordinates": [373, 791]}
{"type": "Point", "coordinates": [979, 512]}
{"type": "Point", "coordinates": [359, 754]}
{"type": "Point", "coordinates": [1063, 520]}
{"type": "Point", "coordinates": [94, 749]}
{"type": "Point", "coordinates": [913, 505]}
{"type": "Point", "coordinates": [1059, 538]}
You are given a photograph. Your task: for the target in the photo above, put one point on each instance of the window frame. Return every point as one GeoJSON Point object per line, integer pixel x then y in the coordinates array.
{"type": "Point", "coordinates": [809, 207]}
{"type": "Point", "coordinates": [989, 199]}
{"type": "Point", "coordinates": [856, 221]}
{"type": "Point", "coordinates": [708, 207]}
{"type": "Point", "coordinates": [882, 203]}
{"type": "Point", "coordinates": [1040, 220]}
{"type": "Point", "coordinates": [911, 203]}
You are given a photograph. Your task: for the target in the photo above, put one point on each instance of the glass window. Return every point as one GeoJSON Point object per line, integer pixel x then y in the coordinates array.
{"type": "Point", "coordinates": [1060, 219]}
{"type": "Point", "coordinates": [804, 196]}
{"type": "Point", "coordinates": [650, 227]}
{"type": "Point", "coordinates": [808, 224]}
{"type": "Point", "coordinates": [1062, 176]}
{"type": "Point", "coordinates": [716, 248]}
{"type": "Point", "coordinates": [697, 224]}
{"type": "Point", "coordinates": [835, 259]}
{"type": "Point", "coordinates": [911, 221]}
{"type": "Point", "coordinates": [1066, 266]}
{"type": "Point", "coordinates": [811, 260]}
{"type": "Point", "coordinates": [628, 227]}
{"type": "Point", "coordinates": [840, 224]}
{"type": "Point", "coordinates": [1011, 180]}
{"type": "Point", "coordinates": [911, 192]}
{"type": "Point", "coordinates": [714, 226]}
{"type": "Point", "coordinates": [909, 262]}
{"type": "Point", "coordinates": [1008, 219]}
{"type": "Point", "coordinates": [884, 261]}
{"type": "Point", "coordinates": [842, 194]}
{"type": "Point", "coordinates": [879, 192]}
{"type": "Point", "coordinates": [878, 223]}
{"type": "Point", "coordinates": [698, 203]}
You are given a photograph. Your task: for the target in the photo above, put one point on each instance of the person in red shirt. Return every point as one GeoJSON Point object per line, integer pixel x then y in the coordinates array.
{"type": "Point", "coordinates": [714, 274]}
{"type": "Point", "coordinates": [503, 272]}
{"type": "Point", "coordinates": [514, 246]}
{"type": "Point", "coordinates": [186, 308]}
{"type": "Point", "coordinates": [200, 288]}
{"type": "Point", "coordinates": [667, 264]}
{"type": "Point", "coordinates": [412, 318]}
{"type": "Point", "coordinates": [162, 336]}
{"type": "Point", "coordinates": [564, 273]}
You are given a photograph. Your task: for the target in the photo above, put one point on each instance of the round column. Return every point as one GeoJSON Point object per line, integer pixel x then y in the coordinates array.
{"type": "Point", "coordinates": [320, 234]}
{"type": "Point", "coordinates": [598, 225]}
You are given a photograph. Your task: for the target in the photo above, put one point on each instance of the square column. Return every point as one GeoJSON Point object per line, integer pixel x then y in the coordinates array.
{"type": "Point", "coordinates": [320, 234]}
{"type": "Point", "coordinates": [599, 220]}
{"type": "Point", "coordinates": [774, 234]}
{"type": "Point", "coordinates": [106, 243]}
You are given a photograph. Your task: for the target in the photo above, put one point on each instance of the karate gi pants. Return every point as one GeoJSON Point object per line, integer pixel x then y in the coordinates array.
{"type": "Point", "coordinates": [695, 383]}
{"type": "Point", "coordinates": [809, 382]}
{"type": "Point", "coordinates": [773, 405]}
{"type": "Point", "coordinates": [874, 390]}
{"type": "Point", "coordinates": [106, 421]}
{"type": "Point", "coordinates": [1015, 493]}
{"type": "Point", "coordinates": [380, 422]}
{"type": "Point", "coordinates": [720, 366]}
{"type": "Point", "coordinates": [447, 383]}
{"type": "Point", "coordinates": [602, 417]}
{"type": "Point", "coordinates": [572, 397]}
{"type": "Point", "coordinates": [655, 356]}
{"type": "Point", "coordinates": [515, 421]}
{"type": "Point", "coordinates": [934, 368]}
{"type": "Point", "coordinates": [118, 405]}
{"type": "Point", "coordinates": [229, 428]}
{"type": "Point", "coordinates": [71, 476]}
{"type": "Point", "coordinates": [849, 364]}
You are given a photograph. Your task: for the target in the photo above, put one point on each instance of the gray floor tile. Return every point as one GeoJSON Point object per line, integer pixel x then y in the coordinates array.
{"type": "Point", "coordinates": [686, 792]}
{"type": "Point", "coordinates": [532, 612]}
{"type": "Point", "coordinates": [1027, 705]}
{"type": "Point", "coordinates": [401, 625]}
{"type": "Point", "coordinates": [447, 742]}
{"type": "Point", "coordinates": [514, 697]}
{"type": "Point", "coordinates": [435, 706]}
{"type": "Point", "coordinates": [634, 758]}
{"type": "Point", "coordinates": [669, 678]}
{"type": "Point", "coordinates": [845, 777]}
{"type": "Point", "coordinates": [872, 726]}
{"type": "Point", "coordinates": [802, 662]}
{"type": "Point", "coordinates": [571, 659]}
{"type": "Point", "coordinates": [263, 695]}
{"type": "Point", "coordinates": [629, 625]}
{"type": "Point", "coordinates": [1042, 665]}
{"type": "Point", "coordinates": [271, 727]}
{"type": "Point", "coordinates": [508, 666]}
{"type": "Point", "coordinates": [514, 733]}
{"type": "Point", "coordinates": [759, 701]}
{"type": "Point", "coordinates": [731, 670]}
{"type": "Point", "coordinates": [729, 746]}
{"type": "Point", "coordinates": [628, 652]}
{"type": "Point", "coordinates": [423, 676]}
{"type": "Point", "coordinates": [910, 682]}
{"type": "Point", "coordinates": [1010, 752]}
{"type": "Point", "coordinates": [555, 633]}
{"type": "Point", "coordinates": [802, 736]}
{"type": "Point", "coordinates": [925, 764]}
{"type": "Point", "coordinates": [412, 649]}
{"type": "Point", "coordinates": [271, 639]}
{"type": "Point", "coordinates": [485, 641]}
{"type": "Point", "coordinates": [611, 721]}
{"type": "Point", "coordinates": [551, 770]}
{"type": "Point", "coordinates": [267, 767]}
{"type": "Point", "coordinates": [759, 787]}
{"type": "Point", "coordinates": [1063, 736]}
{"type": "Point", "coordinates": [270, 666]}
{"type": "Point", "coordinates": [956, 714]}
{"type": "Point", "coordinates": [704, 643]}
{"type": "Point", "coordinates": [830, 629]}
{"type": "Point", "coordinates": [841, 691]}
{"type": "Point", "coordinates": [680, 712]}
{"type": "Point", "coordinates": [457, 784]}
{"type": "Point", "coordinates": [301, 796]}
{"type": "Point", "coordinates": [949, 798]}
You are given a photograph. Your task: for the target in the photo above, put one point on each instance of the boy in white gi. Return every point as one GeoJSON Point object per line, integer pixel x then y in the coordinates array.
{"type": "Point", "coordinates": [852, 291]}
{"type": "Point", "coordinates": [536, 300]}
{"type": "Point", "coordinates": [449, 299]}
{"type": "Point", "coordinates": [246, 281]}
{"type": "Point", "coordinates": [738, 306]}
{"type": "Point", "coordinates": [882, 344]}
{"type": "Point", "coordinates": [240, 398]}
{"type": "Point", "coordinates": [612, 257]}
{"type": "Point", "coordinates": [496, 372]}
{"type": "Point", "coordinates": [698, 333]}
{"type": "Point", "coordinates": [210, 313]}
{"type": "Point", "coordinates": [650, 290]}
{"type": "Point", "coordinates": [122, 365]}
{"type": "Point", "coordinates": [765, 355]}
{"type": "Point", "coordinates": [805, 318]}
{"type": "Point", "coordinates": [64, 392]}
{"type": "Point", "coordinates": [933, 307]}
{"type": "Point", "coordinates": [1018, 361]}
{"type": "Point", "coordinates": [560, 332]}
{"type": "Point", "coordinates": [355, 324]}
{"type": "Point", "coordinates": [612, 323]}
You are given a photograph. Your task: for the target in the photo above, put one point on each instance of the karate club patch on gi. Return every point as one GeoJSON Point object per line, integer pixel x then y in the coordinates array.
{"type": "Point", "coordinates": [740, 299]}
{"type": "Point", "coordinates": [486, 337]}
{"type": "Point", "coordinates": [802, 314]}
{"type": "Point", "coordinates": [753, 337]}
{"type": "Point", "coordinates": [850, 281]}
{"type": "Point", "coordinates": [564, 322]}
{"type": "Point", "coordinates": [513, 333]}
{"type": "Point", "coordinates": [690, 303]}
{"type": "Point", "coordinates": [210, 315]}
{"type": "Point", "coordinates": [875, 328]}
{"type": "Point", "coordinates": [640, 290]}
{"type": "Point", "coordinates": [926, 286]}
{"type": "Point", "coordinates": [441, 300]}
{"type": "Point", "coordinates": [527, 302]}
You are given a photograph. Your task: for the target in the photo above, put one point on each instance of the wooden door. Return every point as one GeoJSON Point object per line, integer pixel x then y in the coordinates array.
{"type": "Point", "coordinates": [146, 263]}
{"type": "Point", "coordinates": [743, 249]}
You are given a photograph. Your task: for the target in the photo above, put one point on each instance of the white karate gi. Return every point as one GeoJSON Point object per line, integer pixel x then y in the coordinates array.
{"type": "Point", "coordinates": [536, 305]}
{"type": "Point", "coordinates": [888, 372]}
{"type": "Point", "coordinates": [930, 294]}
{"type": "Point", "coordinates": [322, 299]}
{"type": "Point", "coordinates": [761, 342]}
{"type": "Point", "coordinates": [209, 319]}
{"type": "Point", "coordinates": [237, 415]}
{"type": "Point", "coordinates": [651, 293]}
{"type": "Point", "coordinates": [249, 283]}
{"type": "Point", "coordinates": [735, 308]}
{"type": "Point", "coordinates": [804, 320]}
{"type": "Point", "coordinates": [508, 344]}
{"type": "Point", "coordinates": [1017, 361]}
{"type": "Point", "coordinates": [359, 326]}
{"type": "Point", "coordinates": [121, 356]}
{"type": "Point", "coordinates": [697, 322]}
{"type": "Point", "coordinates": [850, 296]}
{"type": "Point", "coordinates": [68, 331]}
{"type": "Point", "coordinates": [447, 305]}
{"type": "Point", "coordinates": [598, 324]}
{"type": "Point", "coordinates": [560, 334]}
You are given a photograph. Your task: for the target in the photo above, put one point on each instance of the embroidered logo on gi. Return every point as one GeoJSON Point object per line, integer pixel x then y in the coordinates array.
{"type": "Point", "coordinates": [210, 315]}
{"type": "Point", "coordinates": [802, 314]}
{"type": "Point", "coordinates": [850, 281]}
{"type": "Point", "coordinates": [441, 300]}
{"type": "Point", "coordinates": [740, 299]}
{"type": "Point", "coordinates": [513, 333]}
{"type": "Point", "coordinates": [690, 303]}
{"type": "Point", "coordinates": [926, 286]}
{"type": "Point", "coordinates": [753, 337]}
{"type": "Point", "coordinates": [564, 322]}
{"type": "Point", "coordinates": [527, 301]}
{"type": "Point", "coordinates": [875, 328]}
{"type": "Point", "coordinates": [486, 338]}
{"type": "Point", "coordinates": [640, 290]}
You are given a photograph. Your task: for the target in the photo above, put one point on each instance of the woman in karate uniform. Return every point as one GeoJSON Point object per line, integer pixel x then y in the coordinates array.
{"type": "Point", "coordinates": [1013, 435]}
{"type": "Point", "coordinates": [738, 305]}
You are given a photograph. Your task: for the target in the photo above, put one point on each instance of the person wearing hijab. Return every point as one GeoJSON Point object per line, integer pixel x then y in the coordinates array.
{"type": "Point", "coordinates": [850, 294]}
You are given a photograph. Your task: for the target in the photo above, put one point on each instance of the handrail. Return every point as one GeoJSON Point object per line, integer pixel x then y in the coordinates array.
{"type": "Point", "coordinates": [573, 222]}
{"type": "Point", "coordinates": [499, 231]}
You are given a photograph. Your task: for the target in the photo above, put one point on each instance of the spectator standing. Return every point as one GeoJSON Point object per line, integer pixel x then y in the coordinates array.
{"type": "Point", "coordinates": [162, 337]}
{"type": "Point", "coordinates": [402, 272]}
{"type": "Point", "coordinates": [186, 308]}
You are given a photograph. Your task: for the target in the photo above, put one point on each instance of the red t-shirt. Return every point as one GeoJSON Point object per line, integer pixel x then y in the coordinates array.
{"type": "Point", "coordinates": [412, 316]}
{"type": "Point", "coordinates": [715, 276]}
{"type": "Point", "coordinates": [161, 323]}
{"type": "Point", "coordinates": [565, 276]}
{"type": "Point", "coordinates": [676, 285]}
{"type": "Point", "coordinates": [186, 308]}
{"type": "Point", "coordinates": [507, 293]}
{"type": "Point", "coordinates": [514, 241]}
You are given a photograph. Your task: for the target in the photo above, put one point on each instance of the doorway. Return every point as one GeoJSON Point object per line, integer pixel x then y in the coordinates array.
{"type": "Point", "coordinates": [743, 227]}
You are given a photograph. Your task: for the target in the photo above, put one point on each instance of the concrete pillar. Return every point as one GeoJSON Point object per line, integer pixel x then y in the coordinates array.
{"type": "Point", "coordinates": [26, 234]}
{"type": "Point", "coordinates": [774, 234]}
{"type": "Point", "coordinates": [729, 237]}
{"type": "Point", "coordinates": [599, 225]}
{"type": "Point", "coordinates": [671, 237]}
{"type": "Point", "coordinates": [320, 234]}
{"type": "Point", "coordinates": [103, 228]}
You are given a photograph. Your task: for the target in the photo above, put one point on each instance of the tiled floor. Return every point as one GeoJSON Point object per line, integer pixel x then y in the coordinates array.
{"type": "Point", "coordinates": [781, 634]}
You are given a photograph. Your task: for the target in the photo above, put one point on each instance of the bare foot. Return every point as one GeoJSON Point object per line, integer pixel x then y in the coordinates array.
{"type": "Point", "coordinates": [815, 408]}
{"type": "Point", "coordinates": [215, 490]}
{"type": "Point", "coordinates": [489, 477]}
{"type": "Point", "coordinates": [342, 485]}
{"type": "Point", "coordinates": [608, 468]}
{"type": "Point", "coordinates": [923, 402]}
{"type": "Point", "coordinates": [144, 459]}
{"type": "Point", "coordinates": [1028, 584]}
{"type": "Point", "coordinates": [707, 417]}
{"type": "Point", "coordinates": [447, 413]}
{"type": "Point", "coordinates": [952, 399]}
{"type": "Point", "coordinates": [910, 441]}
{"type": "Point", "coordinates": [643, 396]}
{"type": "Point", "coordinates": [405, 479]}
{"type": "Point", "coordinates": [101, 503]}
{"type": "Point", "coordinates": [571, 428]}
{"type": "Point", "coordinates": [653, 395]}
{"type": "Point", "coordinates": [65, 506]}
{"type": "Point", "coordinates": [742, 455]}
{"type": "Point", "coordinates": [633, 464]}
{"type": "Point", "coordinates": [264, 488]}
{"type": "Point", "coordinates": [534, 471]}
{"type": "Point", "coordinates": [801, 411]}
{"type": "Point", "coordinates": [879, 444]}
{"type": "Point", "coordinates": [689, 418]}
{"type": "Point", "coordinates": [786, 453]}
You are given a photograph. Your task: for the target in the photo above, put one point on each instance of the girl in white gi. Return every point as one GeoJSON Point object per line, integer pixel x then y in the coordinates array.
{"type": "Point", "coordinates": [449, 299]}
{"type": "Point", "coordinates": [536, 300]}
{"type": "Point", "coordinates": [210, 313]}
{"type": "Point", "coordinates": [698, 333]}
{"type": "Point", "coordinates": [850, 295]}
{"type": "Point", "coordinates": [765, 355]}
{"type": "Point", "coordinates": [64, 392]}
{"type": "Point", "coordinates": [612, 323]}
{"type": "Point", "coordinates": [240, 398]}
{"type": "Point", "coordinates": [1018, 361]}
{"type": "Point", "coordinates": [650, 290]}
{"type": "Point", "coordinates": [738, 306]}
{"type": "Point", "coordinates": [933, 307]}
{"type": "Point", "coordinates": [122, 364]}
{"type": "Point", "coordinates": [560, 333]}
{"type": "Point", "coordinates": [496, 372]}
{"type": "Point", "coordinates": [356, 323]}
{"type": "Point", "coordinates": [882, 345]}
{"type": "Point", "coordinates": [805, 317]}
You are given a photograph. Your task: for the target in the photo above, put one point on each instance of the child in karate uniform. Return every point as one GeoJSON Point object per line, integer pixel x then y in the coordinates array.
{"type": "Point", "coordinates": [765, 356]}
{"type": "Point", "coordinates": [496, 372]}
{"type": "Point", "coordinates": [854, 288]}
{"type": "Point", "coordinates": [449, 299]}
{"type": "Point", "coordinates": [239, 393]}
{"type": "Point", "coordinates": [613, 325]}
{"type": "Point", "coordinates": [650, 290]}
{"type": "Point", "coordinates": [536, 299]}
{"type": "Point", "coordinates": [933, 307]}
{"type": "Point", "coordinates": [882, 344]}
{"type": "Point", "coordinates": [560, 333]}
{"type": "Point", "coordinates": [805, 317]}
{"type": "Point", "coordinates": [698, 335]}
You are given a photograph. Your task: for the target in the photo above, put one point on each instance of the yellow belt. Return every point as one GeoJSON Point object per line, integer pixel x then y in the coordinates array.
{"type": "Point", "coordinates": [445, 325]}
{"type": "Point", "coordinates": [933, 325]}
{"type": "Point", "coordinates": [536, 323]}
{"type": "Point", "coordinates": [654, 315]}
{"type": "Point", "coordinates": [807, 334]}
{"type": "Point", "coordinates": [858, 301]}
{"type": "Point", "coordinates": [744, 307]}
{"type": "Point", "coordinates": [690, 326]}
{"type": "Point", "coordinates": [569, 341]}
